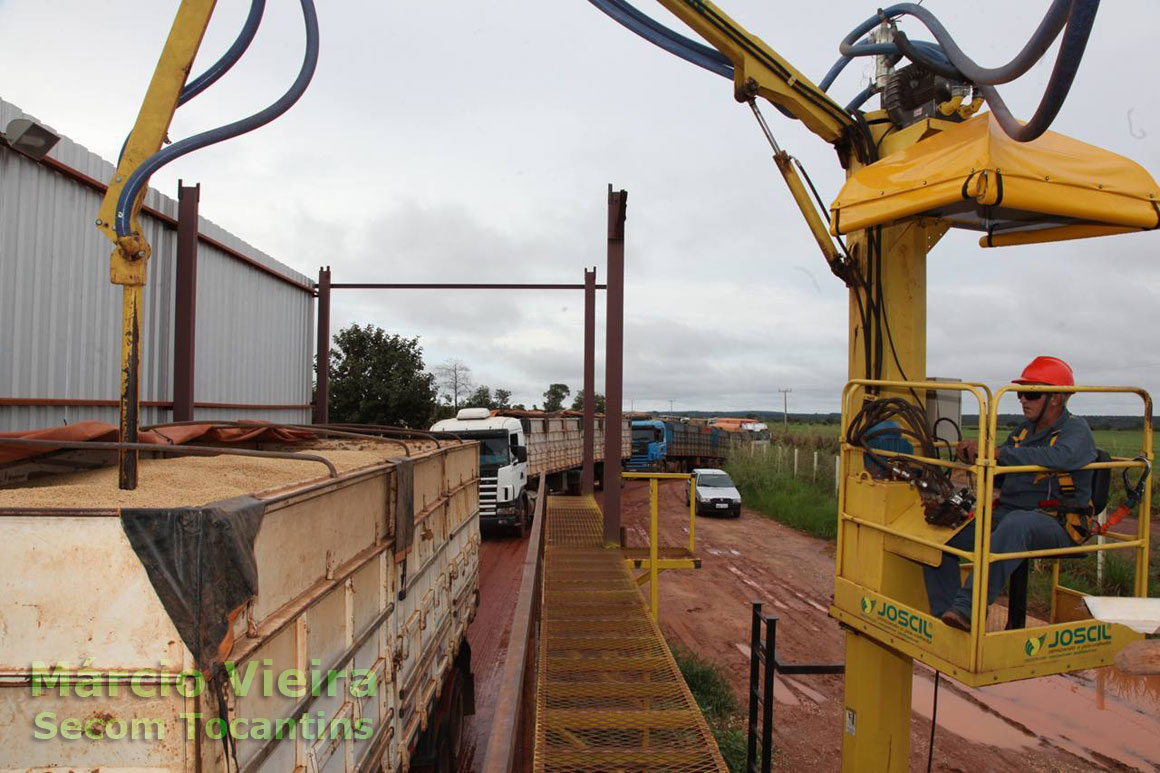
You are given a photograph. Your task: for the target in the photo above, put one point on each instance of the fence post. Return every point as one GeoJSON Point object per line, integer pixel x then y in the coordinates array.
{"type": "Point", "coordinates": [767, 708]}
{"type": "Point", "coordinates": [815, 465]}
{"type": "Point", "coordinates": [754, 686]}
{"type": "Point", "coordinates": [795, 462]}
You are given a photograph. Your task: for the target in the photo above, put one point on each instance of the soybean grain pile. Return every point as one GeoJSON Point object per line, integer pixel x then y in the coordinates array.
{"type": "Point", "coordinates": [198, 480]}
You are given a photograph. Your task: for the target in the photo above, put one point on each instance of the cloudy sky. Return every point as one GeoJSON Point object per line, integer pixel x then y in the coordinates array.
{"type": "Point", "coordinates": [475, 141]}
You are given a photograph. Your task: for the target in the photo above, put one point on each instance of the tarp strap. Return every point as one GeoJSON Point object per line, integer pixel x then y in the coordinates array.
{"type": "Point", "coordinates": [966, 183]}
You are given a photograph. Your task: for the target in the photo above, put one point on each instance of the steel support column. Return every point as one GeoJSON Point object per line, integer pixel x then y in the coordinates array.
{"type": "Point", "coordinates": [614, 364]}
{"type": "Point", "coordinates": [587, 474]}
{"type": "Point", "coordinates": [878, 678]}
{"type": "Point", "coordinates": [185, 302]}
{"type": "Point", "coordinates": [322, 376]}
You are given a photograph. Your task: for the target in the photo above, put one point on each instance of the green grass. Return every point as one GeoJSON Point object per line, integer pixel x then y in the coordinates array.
{"type": "Point", "coordinates": [1081, 574]}
{"type": "Point", "coordinates": [717, 702]}
{"type": "Point", "coordinates": [771, 489]}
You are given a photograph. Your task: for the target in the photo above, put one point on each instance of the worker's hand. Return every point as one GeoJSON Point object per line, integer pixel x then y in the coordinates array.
{"type": "Point", "coordinates": [967, 451]}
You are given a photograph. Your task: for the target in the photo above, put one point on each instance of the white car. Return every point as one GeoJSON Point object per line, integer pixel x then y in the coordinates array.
{"type": "Point", "coordinates": [716, 494]}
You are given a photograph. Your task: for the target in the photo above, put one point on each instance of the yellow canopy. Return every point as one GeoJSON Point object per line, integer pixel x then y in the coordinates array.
{"type": "Point", "coordinates": [977, 177]}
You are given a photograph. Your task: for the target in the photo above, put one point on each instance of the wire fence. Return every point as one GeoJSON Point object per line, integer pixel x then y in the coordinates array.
{"type": "Point", "coordinates": [821, 467]}
{"type": "Point", "coordinates": [817, 466]}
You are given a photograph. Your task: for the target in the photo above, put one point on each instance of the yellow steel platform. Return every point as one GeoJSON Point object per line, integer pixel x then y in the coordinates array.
{"type": "Point", "coordinates": [609, 695]}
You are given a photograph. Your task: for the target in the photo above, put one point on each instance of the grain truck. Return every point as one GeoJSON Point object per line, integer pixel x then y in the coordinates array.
{"type": "Point", "coordinates": [236, 613]}
{"type": "Point", "coordinates": [516, 448]}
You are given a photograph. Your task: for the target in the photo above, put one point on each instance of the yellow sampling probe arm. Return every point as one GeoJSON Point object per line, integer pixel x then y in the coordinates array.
{"type": "Point", "coordinates": [759, 71]}
{"type": "Point", "coordinates": [131, 252]}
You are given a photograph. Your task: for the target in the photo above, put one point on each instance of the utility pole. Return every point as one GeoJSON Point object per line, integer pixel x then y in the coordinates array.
{"type": "Point", "coordinates": [785, 407]}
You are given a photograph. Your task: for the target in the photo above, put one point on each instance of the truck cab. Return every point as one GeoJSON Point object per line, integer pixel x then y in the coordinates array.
{"type": "Point", "coordinates": [503, 463]}
{"type": "Point", "coordinates": [648, 445]}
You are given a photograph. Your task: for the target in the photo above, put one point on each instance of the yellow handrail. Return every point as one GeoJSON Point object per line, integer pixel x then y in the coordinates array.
{"type": "Point", "coordinates": [985, 471]}
{"type": "Point", "coordinates": [653, 525]}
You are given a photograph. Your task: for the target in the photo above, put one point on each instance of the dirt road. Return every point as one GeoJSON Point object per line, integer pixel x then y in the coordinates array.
{"type": "Point", "coordinates": [1094, 720]}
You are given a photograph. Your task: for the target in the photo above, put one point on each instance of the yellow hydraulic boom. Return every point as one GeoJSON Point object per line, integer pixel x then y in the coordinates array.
{"type": "Point", "coordinates": [131, 252]}
{"type": "Point", "coordinates": [142, 155]}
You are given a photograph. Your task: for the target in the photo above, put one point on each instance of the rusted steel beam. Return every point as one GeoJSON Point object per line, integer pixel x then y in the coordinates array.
{"type": "Point", "coordinates": [65, 402]}
{"type": "Point", "coordinates": [185, 303]}
{"type": "Point", "coordinates": [614, 364]}
{"type": "Point", "coordinates": [322, 378]}
{"type": "Point", "coordinates": [454, 286]}
{"type": "Point", "coordinates": [587, 474]}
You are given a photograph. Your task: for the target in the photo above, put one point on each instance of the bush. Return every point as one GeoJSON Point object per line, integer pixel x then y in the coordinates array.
{"type": "Point", "coordinates": [768, 485]}
{"type": "Point", "coordinates": [717, 702]}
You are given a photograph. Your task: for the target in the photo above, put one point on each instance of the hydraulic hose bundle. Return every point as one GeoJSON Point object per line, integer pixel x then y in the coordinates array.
{"type": "Point", "coordinates": [942, 56]}
{"type": "Point", "coordinates": [893, 418]}
{"type": "Point", "coordinates": [140, 176]}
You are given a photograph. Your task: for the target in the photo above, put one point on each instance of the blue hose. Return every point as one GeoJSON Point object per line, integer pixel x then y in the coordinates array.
{"type": "Point", "coordinates": [860, 100]}
{"type": "Point", "coordinates": [1071, 49]}
{"type": "Point", "coordinates": [948, 59]}
{"type": "Point", "coordinates": [141, 175]}
{"type": "Point", "coordinates": [229, 58]}
{"type": "Point", "coordinates": [1047, 31]}
{"type": "Point", "coordinates": [690, 50]}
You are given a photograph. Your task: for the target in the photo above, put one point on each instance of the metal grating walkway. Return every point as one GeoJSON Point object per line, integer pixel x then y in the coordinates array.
{"type": "Point", "coordinates": [609, 695]}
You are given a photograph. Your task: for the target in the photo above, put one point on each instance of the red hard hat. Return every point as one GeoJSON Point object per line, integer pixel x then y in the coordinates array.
{"type": "Point", "coordinates": [1047, 370]}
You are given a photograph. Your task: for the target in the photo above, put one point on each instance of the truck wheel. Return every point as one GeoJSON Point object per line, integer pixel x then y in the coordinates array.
{"type": "Point", "coordinates": [445, 761]}
{"type": "Point", "coordinates": [454, 737]}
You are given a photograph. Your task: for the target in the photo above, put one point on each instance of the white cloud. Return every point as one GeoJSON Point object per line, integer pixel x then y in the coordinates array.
{"type": "Point", "coordinates": [476, 144]}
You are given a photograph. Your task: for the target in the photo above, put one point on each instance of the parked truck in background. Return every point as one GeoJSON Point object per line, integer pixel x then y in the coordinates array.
{"type": "Point", "coordinates": [690, 445]}
{"type": "Point", "coordinates": [648, 445]}
{"type": "Point", "coordinates": [516, 448]}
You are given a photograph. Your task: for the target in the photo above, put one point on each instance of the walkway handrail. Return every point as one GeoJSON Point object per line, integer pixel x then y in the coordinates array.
{"type": "Point", "coordinates": [510, 743]}
{"type": "Point", "coordinates": [654, 527]}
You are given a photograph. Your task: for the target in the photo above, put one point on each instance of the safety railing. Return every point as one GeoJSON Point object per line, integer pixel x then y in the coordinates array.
{"type": "Point", "coordinates": [657, 562]}
{"type": "Point", "coordinates": [909, 623]}
{"type": "Point", "coordinates": [509, 746]}
{"type": "Point", "coordinates": [761, 690]}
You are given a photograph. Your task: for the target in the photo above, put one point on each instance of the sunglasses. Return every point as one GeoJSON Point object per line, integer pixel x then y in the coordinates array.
{"type": "Point", "coordinates": [1030, 396]}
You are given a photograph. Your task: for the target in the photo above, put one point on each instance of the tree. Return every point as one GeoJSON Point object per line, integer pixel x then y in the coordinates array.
{"type": "Point", "coordinates": [502, 400]}
{"type": "Point", "coordinates": [554, 397]}
{"type": "Point", "coordinates": [378, 378]}
{"type": "Point", "coordinates": [480, 398]}
{"type": "Point", "coordinates": [455, 378]}
{"type": "Point", "coordinates": [578, 401]}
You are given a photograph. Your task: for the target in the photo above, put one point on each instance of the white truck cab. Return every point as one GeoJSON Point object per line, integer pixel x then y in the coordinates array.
{"type": "Point", "coordinates": [503, 463]}
{"type": "Point", "coordinates": [716, 494]}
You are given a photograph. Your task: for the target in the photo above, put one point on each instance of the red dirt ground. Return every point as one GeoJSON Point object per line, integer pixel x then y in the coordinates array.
{"type": "Point", "coordinates": [1089, 721]}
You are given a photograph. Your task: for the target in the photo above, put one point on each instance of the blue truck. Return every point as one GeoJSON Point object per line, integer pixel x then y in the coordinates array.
{"type": "Point", "coordinates": [648, 445]}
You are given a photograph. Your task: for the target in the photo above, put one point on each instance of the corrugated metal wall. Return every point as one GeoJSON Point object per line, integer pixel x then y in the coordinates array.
{"type": "Point", "coordinates": [60, 316]}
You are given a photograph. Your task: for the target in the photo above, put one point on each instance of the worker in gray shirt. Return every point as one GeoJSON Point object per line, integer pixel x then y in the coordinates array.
{"type": "Point", "coordinates": [1035, 511]}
